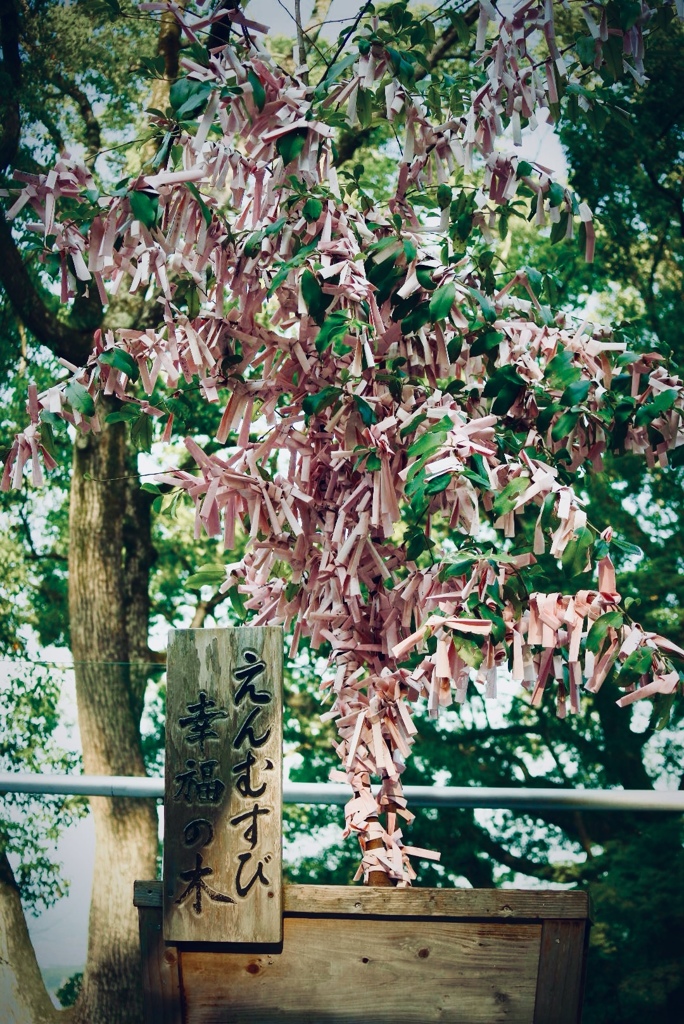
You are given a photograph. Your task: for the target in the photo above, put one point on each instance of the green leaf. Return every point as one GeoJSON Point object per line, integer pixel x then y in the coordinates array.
{"type": "Point", "coordinates": [627, 548]}
{"type": "Point", "coordinates": [459, 567]}
{"type": "Point", "coordinates": [428, 442]}
{"type": "Point", "coordinates": [561, 370]}
{"type": "Point", "coordinates": [638, 662]}
{"type": "Point", "coordinates": [599, 629]}
{"type": "Point", "coordinates": [505, 375]}
{"type": "Point", "coordinates": [413, 425]}
{"type": "Point", "coordinates": [486, 305]}
{"type": "Point", "coordinates": [315, 299]}
{"type": "Point", "coordinates": [437, 484]}
{"type": "Point", "coordinates": [576, 393]}
{"type": "Point", "coordinates": [468, 650]}
{"type": "Point", "coordinates": [188, 97]}
{"type": "Point", "coordinates": [556, 194]}
{"type": "Point", "coordinates": [444, 196]}
{"type": "Point", "coordinates": [364, 107]}
{"type": "Point", "coordinates": [486, 341]}
{"type": "Point", "coordinates": [207, 576]}
{"type": "Point", "coordinates": [334, 72]}
{"type": "Point", "coordinates": [290, 146]}
{"type": "Point", "coordinates": [507, 397]}
{"type": "Point", "coordinates": [524, 169]}
{"type": "Point", "coordinates": [79, 398]}
{"type": "Point", "coordinates": [167, 504]}
{"type": "Point", "coordinates": [424, 275]}
{"type": "Point", "coordinates": [559, 229]}
{"type": "Point", "coordinates": [126, 414]}
{"type": "Point", "coordinates": [47, 438]}
{"type": "Point", "coordinates": [194, 191]}
{"type": "Point", "coordinates": [575, 556]}
{"type": "Point", "coordinates": [585, 48]}
{"type": "Point", "coordinates": [564, 425]}
{"type": "Point", "coordinates": [335, 327]}
{"type": "Point", "coordinates": [258, 91]}
{"type": "Point", "coordinates": [237, 600]}
{"type": "Point", "coordinates": [141, 432]}
{"type": "Point", "coordinates": [661, 403]}
{"type": "Point", "coordinates": [663, 703]}
{"type": "Point", "coordinates": [151, 488]}
{"type": "Point", "coordinates": [366, 411]}
{"type": "Point", "coordinates": [613, 56]}
{"type": "Point", "coordinates": [120, 360]}
{"type": "Point", "coordinates": [410, 251]}
{"type": "Point", "coordinates": [506, 501]}
{"type": "Point", "coordinates": [442, 300]}
{"type": "Point", "coordinates": [144, 207]}
{"type": "Point", "coordinates": [315, 404]}
{"type": "Point", "coordinates": [313, 208]}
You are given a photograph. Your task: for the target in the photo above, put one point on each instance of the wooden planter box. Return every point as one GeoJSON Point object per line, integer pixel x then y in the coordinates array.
{"type": "Point", "coordinates": [370, 955]}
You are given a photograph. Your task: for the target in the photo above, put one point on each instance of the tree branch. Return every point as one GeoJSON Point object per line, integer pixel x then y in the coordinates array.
{"type": "Point", "coordinates": [66, 341]}
{"type": "Point", "coordinates": [319, 13]}
{"type": "Point", "coordinates": [301, 42]}
{"type": "Point", "coordinates": [205, 608]}
{"type": "Point", "coordinates": [92, 125]}
{"type": "Point", "coordinates": [525, 865]}
{"type": "Point", "coordinates": [37, 556]}
{"type": "Point", "coordinates": [351, 140]}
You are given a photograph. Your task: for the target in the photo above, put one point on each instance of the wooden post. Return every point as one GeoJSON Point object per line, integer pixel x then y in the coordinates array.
{"type": "Point", "coordinates": [223, 791]}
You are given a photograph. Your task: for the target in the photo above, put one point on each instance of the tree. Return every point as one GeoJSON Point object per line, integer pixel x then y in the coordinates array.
{"type": "Point", "coordinates": [390, 367]}
{"type": "Point", "coordinates": [109, 554]}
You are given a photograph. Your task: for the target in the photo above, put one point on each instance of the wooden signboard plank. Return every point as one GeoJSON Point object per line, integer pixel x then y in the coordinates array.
{"type": "Point", "coordinates": [223, 789]}
{"type": "Point", "coordinates": [160, 971]}
{"type": "Point", "coordinates": [354, 900]}
{"type": "Point", "coordinates": [530, 904]}
{"type": "Point", "coordinates": [389, 972]}
{"type": "Point", "coordinates": [561, 972]}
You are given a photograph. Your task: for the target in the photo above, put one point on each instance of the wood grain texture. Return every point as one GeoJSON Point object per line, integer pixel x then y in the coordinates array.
{"type": "Point", "coordinates": [459, 903]}
{"type": "Point", "coordinates": [223, 788]}
{"type": "Point", "coordinates": [160, 970]}
{"type": "Point", "coordinates": [562, 965]}
{"type": "Point", "coordinates": [506, 904]}
{"type": "Point", "coordinates": [388, 972]}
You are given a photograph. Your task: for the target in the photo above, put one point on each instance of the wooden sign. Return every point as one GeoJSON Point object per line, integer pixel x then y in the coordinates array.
{"type": "Point", "coordinates": [223, 790]}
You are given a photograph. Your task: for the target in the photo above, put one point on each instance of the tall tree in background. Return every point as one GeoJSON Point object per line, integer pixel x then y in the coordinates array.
{"type": "Point", "coordinates": [55, 62]}
{"type": "Point", "coordinates": [110, 547]}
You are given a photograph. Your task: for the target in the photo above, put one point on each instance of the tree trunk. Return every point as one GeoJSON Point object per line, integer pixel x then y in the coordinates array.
{"type": "Point", "coordinates": [109, 710]}
{"type": "Point", "coordinates": [23, 997]}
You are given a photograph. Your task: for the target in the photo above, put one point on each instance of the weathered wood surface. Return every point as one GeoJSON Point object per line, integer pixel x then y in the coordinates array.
{"type": "Point", "coordinates": [380, 971]}
{"type": "Point", "coordinates": [223, 802]}
{"type": "Point", "coordinates": [460, 903]}
{"type": "Point", "coordinates": [508, 904]}
{"type": "Point", "coordinates": [161, 977]}
{"type": "Point", "coordinates": [562, 965]}
{"type": "Point", "coordinates": [407, 956]}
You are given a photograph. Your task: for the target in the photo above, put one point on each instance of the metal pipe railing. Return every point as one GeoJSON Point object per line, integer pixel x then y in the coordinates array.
{"type": "Point", "coordinates": [331, 793]}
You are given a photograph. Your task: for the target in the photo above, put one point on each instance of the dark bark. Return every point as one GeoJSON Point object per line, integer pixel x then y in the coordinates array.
{"type": "Point", "coordinates": [10, 82]}
{"type": "Point", "coordinates": [139, 557]}
{"type": "Point", "coordinates": [168, 45]}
